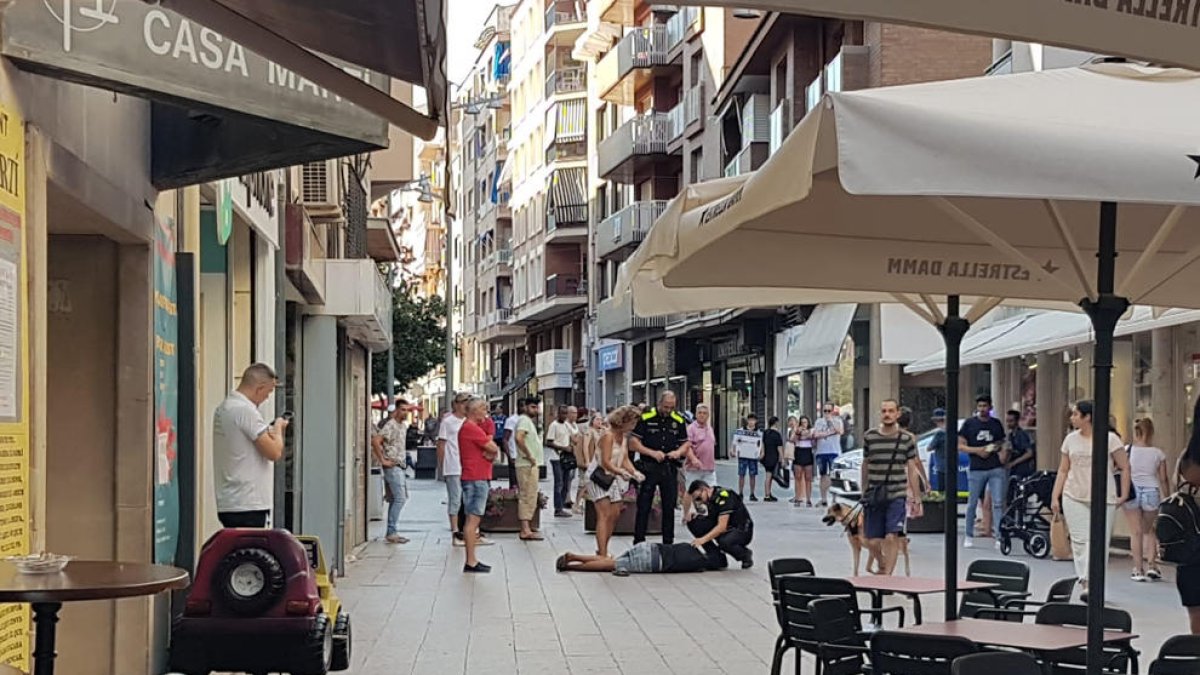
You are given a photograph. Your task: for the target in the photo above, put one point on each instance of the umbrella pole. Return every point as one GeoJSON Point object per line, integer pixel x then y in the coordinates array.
{"type": "Point", "coordinates": [953, 328]}
{"type": "Point", "coordinates": [1104, 313]}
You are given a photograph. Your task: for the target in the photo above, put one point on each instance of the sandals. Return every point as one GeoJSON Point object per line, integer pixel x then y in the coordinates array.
{"type": "Point", "coordinates": [533, 537]}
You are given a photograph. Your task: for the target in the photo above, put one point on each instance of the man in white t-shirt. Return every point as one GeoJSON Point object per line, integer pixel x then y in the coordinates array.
{"type": "Point", "coordinates": [510, 445]}
{"type": "Point", "coordinates": [245, 449]}
{"type": "Point", "coordinates": [747, 446]}
{"type": "Point", "coordinates": [558, 444]}
{"type": "Point", "coordinates": [450, 461]}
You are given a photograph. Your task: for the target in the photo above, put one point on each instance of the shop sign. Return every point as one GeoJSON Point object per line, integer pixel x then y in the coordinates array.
{"type": "Point", "coordinates": [553, 362]}
{"type": "Point", "coordinates": [729, 349]}
{"type": "Point", "coordinates": [142, 49]}
{"type": "Point", "coordinates": [611, 357]}
{"type": "Point", "coordinates": [255, 196]}
{"type": "Point", "coordinates": [224, 211]}
{"type": "Point", "coordinates": [555, 381]}
{"type": "Point", "coordinates": [166, 395]}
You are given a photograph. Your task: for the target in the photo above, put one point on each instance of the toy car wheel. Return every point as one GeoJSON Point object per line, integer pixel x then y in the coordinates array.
{"type": "Point", "coordinates": [341, 643]}
{"type": "Point", "coordinates": [317, 657]}
{"type": "Point", "coordinates": [250, 580]}
{"type": "Point", "coordinates": [1006, 546]}
{"type": "Point", "coordinates": [1037, 545]}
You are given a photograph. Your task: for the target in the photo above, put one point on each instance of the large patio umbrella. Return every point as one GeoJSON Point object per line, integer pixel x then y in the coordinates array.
{"type": "Point", "coordinates": [993, 187]}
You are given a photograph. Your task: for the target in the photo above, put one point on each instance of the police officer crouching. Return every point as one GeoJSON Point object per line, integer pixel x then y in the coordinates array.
{"type": "Point", "coordinates": [660, 441]}
{"type": "Point", "coordinates": [728, 523]}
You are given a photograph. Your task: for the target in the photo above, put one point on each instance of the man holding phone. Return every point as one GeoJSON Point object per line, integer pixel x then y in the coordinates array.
{"type": "Point", "coordinates": [389, 447]}
{"type": "Point", "coordinates": [245, 449]}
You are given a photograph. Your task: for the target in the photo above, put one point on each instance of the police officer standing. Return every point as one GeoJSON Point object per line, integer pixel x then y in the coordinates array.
{"type": "Point", "coordinates": [660, 441]}
{"type": "Point", "coordinates": [728, 523]}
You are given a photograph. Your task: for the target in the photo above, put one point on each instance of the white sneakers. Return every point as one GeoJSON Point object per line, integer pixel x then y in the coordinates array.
{"type": "Point", "coordinates": [968, 542]}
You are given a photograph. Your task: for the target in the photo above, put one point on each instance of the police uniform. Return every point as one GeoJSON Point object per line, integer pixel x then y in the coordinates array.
{"type": "Point", "coordinates": [665, 433]}
{"type": "Point", "coordinates": [736, 539]}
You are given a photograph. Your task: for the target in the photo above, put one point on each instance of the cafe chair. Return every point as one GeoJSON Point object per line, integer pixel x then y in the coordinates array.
{"type": "Point", "coordinates": [796, 594]}
{"type": "Point", "coordinates": [842, 645]}
{"type": "Point", "coordinates": [1010, 576]}
{"type": "Point", "coordinates": [782, 567]}
{"type": "Point", "coordinates": [996, 663]}
{"type": "Point", "coordinates": [1017, 609]}
{"type": "Point", "coordinates": [895, 653]}
{"type": "Point", "coordinates": [1180, 655]}
{"type": "Point", "coordinates": [1119, 658]}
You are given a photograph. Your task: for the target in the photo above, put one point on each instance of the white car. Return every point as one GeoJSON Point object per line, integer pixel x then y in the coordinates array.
{"type": "Point", "coordinates": [847, 470]}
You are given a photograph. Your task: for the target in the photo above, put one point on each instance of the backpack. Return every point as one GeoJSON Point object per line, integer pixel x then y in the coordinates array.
{"type": "Point", "coordinates": [1177, 527]}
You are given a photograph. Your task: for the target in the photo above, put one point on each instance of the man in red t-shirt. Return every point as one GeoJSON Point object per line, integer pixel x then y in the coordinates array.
{"type": "Point", "coordinates": [477, 451]}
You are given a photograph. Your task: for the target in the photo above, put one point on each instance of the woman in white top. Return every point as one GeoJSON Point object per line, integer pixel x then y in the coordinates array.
{"type": "Point", "coordinates": [1073, 487]}
{"type": "Point", "coordinates": [612, 458]}
{"type": "Point", "coordinates": [587, 449]}
{"type": "Point", "coordinates": [1148, 474]}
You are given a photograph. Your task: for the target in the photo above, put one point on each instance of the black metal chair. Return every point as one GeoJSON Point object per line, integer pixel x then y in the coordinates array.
{"type": "Point", "coordinates": [894, 653]}
{"type": "Point", "coordinates": [784, 567]}
{"type": "Point", "coordinates": [1180, 655]}
{"type": "Point", "coordinates": [996, 663]}
{"type": "Point", "coordinates": [1012, 582]}
{"type": "Point", "coordinates": [796, 594]}
{"type": "Point", "coordinates": [1119, 658]}
{"type": "Point", "coordinates": [1016, 609]}
{"type": "Point", "coordinates": [842, 645]}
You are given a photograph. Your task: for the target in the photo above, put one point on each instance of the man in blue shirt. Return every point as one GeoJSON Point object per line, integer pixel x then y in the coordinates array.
{"type": "Point", "coordinates": [983, 438]}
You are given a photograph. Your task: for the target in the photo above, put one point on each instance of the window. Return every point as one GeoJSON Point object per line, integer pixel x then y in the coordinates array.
{"type": "Point", "coordinates": [695, 166]}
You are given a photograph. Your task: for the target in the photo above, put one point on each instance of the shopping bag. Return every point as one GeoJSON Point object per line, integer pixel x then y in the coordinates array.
{"type": "Point", "coordinates": [783, 477]}
{"type": "Point", "coordinates": [1060, 539]}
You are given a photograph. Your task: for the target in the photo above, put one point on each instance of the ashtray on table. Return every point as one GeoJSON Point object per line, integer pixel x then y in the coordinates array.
{"type": "Point", "coordinates": [39, 563]}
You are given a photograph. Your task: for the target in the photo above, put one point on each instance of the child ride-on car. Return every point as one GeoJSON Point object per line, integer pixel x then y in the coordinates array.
{"type": "Point", "coordinates": [262, 602]}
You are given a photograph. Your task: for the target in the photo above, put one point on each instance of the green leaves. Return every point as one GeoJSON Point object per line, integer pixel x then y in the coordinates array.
{"type": "Point", "coordinates": [418, 338]}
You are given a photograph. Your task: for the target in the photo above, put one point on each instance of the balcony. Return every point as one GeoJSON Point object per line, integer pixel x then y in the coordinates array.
{"type": "Point", "coordinates": [641, 56]}
{"type": "Point", "coordinates": [781, 124]}
{"type": "Point", "coordinates": [494, 327]}
{"type": "Point", "coordinates": [635, 147]}
{"type": "Point", "coordinates": [687, 114]}
{"type": "Point", "coordinates": [356, 293]}
{"type": "Point", "coordinates": [501, 257]}
{"type": "Point", "coordinates": [750, 158]}
{"type": "Point", "coordinates": [565, 15]}
{"type": "Point", "coordinates": [626, 228]}
{"type": "Point", "coordinates": [563, 293]}
{"type": "Point", "coordinates": [382, 245]}
{"type": "Point", "coordinates": [566, 152]}
{"type": "Point", "coordinates": [619, 322]}
{"type": "Point", "coordinates": [306, 253]}
{"type": "Point", "coordinates": [570, 80]}
{"type": "Point", "coordinates": [683, 24]}
{"type": "Point", "coordinates": [566, 206]}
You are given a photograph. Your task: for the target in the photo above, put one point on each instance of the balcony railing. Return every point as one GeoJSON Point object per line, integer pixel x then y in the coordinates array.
{"type": "Point", "coordinates": [619, 321]}
{"type": "Point", "coordinates": [750, 158]}
{"type": "Point", "coordinates": [565, 286]}
{"type": "Point", "coordinates": [500, 256]}
{"type": "Point", "coordinates": [566, 216]}
{"type": "Point", "coordinates": [564, 13]}
{"type": "Point", "coordinates": [693, 104]}
{"type": "Point", "coordinates": [562, 152]}
{"type": "Point", "coordinates": [642, 135]}
{"type": "Point", "coordinates": [812, 94]}
{"type": "Point", "coordinates": [570, 80]}
{"type": "Point", "coordinates": [627, 226]}
{"type": "Point", "coordinates": [781, 123]}
{"type": "Point", "coordinates": [680, 24]}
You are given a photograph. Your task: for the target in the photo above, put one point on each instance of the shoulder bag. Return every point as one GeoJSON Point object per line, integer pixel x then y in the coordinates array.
{"type": "Point", "coordinates": [877, 495]}
{"type": "Point", "coordinates": [1117, 475]}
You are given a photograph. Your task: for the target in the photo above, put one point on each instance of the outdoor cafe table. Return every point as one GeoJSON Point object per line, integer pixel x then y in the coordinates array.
{"type": "Point", "coordinates": [1031, 637]}
{"type": "Point", "coordinates": [912, 587]}
{"type": "Point", "coordinates": [80, 580]}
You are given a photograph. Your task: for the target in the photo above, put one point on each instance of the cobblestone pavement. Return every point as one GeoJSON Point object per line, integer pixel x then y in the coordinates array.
{"type": "Point", "coordinates": [415, 612]}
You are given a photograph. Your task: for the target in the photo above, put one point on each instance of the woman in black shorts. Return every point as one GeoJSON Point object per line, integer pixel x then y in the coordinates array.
{"type": "Point", "coordinates": [772, 450]}
{"type": "Point", "coordinates": [803, 468]}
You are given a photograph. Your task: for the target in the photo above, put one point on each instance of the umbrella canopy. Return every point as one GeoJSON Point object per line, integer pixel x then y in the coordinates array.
{"type": "Point", "coordinates": [1005, 186]}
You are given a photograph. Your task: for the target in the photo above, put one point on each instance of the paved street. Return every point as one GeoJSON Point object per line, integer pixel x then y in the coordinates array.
{"type": "Point", "coordinates": [415, 612]}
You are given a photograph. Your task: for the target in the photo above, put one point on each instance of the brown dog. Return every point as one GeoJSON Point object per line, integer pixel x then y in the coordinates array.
{"type": "Point", "coordinates": [851, 519]}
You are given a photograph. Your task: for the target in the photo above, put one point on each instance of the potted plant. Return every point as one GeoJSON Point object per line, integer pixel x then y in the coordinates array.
{"type": "Point", "coordinates": [501, 512]}
{"type": "Point", "coordinates": [933, 518]}
{"type": "Point", "coordinates": [628, 518]}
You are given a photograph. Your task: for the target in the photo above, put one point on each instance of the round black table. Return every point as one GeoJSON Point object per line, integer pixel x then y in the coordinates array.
{"type": "Point", "coordinates": [81, 580]}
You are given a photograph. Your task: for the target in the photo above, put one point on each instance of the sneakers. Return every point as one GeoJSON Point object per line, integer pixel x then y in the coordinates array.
{"type": "Point", "coordinates": [1139, 576]}
{"type": "Point", "coordinates": [484, 541]}
{"type": "Point", "coordinates": [479, 568]}
{"type": "Point", "coordinates": [395, 539]}
{"type": "Point", "coordinates": [458, 539]}
{"type": "Point", "coordinates": [753, 498]}
{"type": "Point", "coordinates": [771, 499]}
{"type": "Point", "coordinates": [968, 542]}
{"type": "Point", "coordinates": [1153, 574]}
{"type": "Point", "coordinates": [562, 514]}
{"type": "Point", "coordinates": [997, 544]}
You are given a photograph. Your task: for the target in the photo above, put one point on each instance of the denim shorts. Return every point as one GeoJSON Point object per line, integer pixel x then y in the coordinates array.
{"type": "Point", "coordinates": [747, 466]}
{"type": "Point", "coordinates": [1146, 499]}
{"type": "Point", "coordinates": [453, 494]}
{"type": "Point", "coordinates": [643, 558]}
{"type": "Point", "coordinates": [882, 521]}
{"type": "Point", "coordinates": [825, 464]}
{"type": "Point", "coordinates": [475, 496]}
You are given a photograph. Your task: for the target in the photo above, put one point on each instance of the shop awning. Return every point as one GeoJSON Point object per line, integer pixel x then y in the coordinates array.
{"type": "Point", "coordinates": [571, 123]}
{"type": "Point", "coordinates": [815, 344]}
{"type": "Point", "coordinates": [404, 39]}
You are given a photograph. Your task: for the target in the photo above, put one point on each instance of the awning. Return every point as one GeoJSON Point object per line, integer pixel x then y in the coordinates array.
{"type": "Point", "coordinates": [405, 39]}
{"type": "Point", "coordinates": [502, 62]}
{"type": "Point", "coordinates": [815, 344]}
{"type": "Point", "coordinates": [496, 181]}
{"type": "Point", "coordinates": [568, 188]}
{"type": "Point", "coordinates": [571, 123]}
{"type": "Point", "coordinates": [907, 337]}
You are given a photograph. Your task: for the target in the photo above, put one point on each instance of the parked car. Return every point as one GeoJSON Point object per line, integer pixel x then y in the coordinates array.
{"type": "Point", "coordinates": [847, 471]}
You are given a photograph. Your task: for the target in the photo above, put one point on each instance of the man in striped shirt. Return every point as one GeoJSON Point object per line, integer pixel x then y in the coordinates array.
{"type": "Point", "coordinates": [889, 460]}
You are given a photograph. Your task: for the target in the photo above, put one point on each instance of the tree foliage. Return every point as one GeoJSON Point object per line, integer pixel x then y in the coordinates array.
{"type": "Point", "coordinates": [418, 339]}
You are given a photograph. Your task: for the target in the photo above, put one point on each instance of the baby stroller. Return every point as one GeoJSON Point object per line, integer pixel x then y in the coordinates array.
{"type": "Point", "coordinates": [1026, 516]}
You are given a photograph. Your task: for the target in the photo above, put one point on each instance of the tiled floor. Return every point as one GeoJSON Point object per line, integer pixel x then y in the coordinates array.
{"type": "Point", "coordinates": [415, 612]}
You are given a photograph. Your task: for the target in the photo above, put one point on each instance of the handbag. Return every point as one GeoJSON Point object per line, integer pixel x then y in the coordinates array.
{"type": "Point", "coordinates": [783, 477]}
{"type": "Point", "coordinates": [877, 495]}
{"type": "Point", "coordinates": [567, 461]}
{"type": "Point", "coordinates": [602, 478]}
{"type": "Point", "coordinates": [1117, 476]}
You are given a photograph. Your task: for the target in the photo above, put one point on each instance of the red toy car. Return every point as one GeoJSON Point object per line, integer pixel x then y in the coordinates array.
{"type": "Point", "coordinates": [262, 602]}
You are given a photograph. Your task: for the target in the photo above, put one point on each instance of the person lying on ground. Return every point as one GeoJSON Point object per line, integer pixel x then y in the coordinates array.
{"type": "Point", "coordinates": [646, 558]}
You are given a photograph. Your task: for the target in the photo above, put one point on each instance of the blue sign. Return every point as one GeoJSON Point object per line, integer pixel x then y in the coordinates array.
{"type": "Point", "coordinates": [611, 357]}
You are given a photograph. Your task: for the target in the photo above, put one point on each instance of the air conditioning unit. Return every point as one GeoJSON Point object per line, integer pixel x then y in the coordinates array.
{"type": "Point", "coordinates": [756, 119]}
{"type": "Point", "coordinates": [320, 190]}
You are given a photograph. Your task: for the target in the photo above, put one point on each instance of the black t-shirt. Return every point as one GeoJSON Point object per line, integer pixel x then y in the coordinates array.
{"type": "Point", "coordinates": [687, 558]}
{"type": "Point", "coordinates": [727, 502]}
{"type": "Point", "coordinates": [772, 442]}
{"type": "Point", "coordinates": [979, 433]}
{"type": "Point", "coordinates": [663, 432]}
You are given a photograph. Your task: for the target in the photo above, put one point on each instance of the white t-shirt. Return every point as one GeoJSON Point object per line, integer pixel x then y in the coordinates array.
{"type": "Point", "coordinates": [510, 425]}
{"type": "Point", "coordinates": [244, 478]}
{"type": "Point", "coordinates": [1079, 479]}
{"type": "Point", "coordinates": [448, 431]}
{"type": "Point", "coordinates": [747, 443]}
{"type": "Point", "coordinates": [560, 435]}
{"type": "Point", "coordinates": [1143, 466]}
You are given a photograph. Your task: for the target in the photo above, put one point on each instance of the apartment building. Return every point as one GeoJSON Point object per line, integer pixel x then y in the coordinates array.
{"type": "Point", "coordinates": [654, 69]}
{"type": "Point", "coordinates": [547, 152]}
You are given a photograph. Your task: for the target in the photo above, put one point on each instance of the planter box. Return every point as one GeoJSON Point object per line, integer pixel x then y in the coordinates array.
{"type": "Point", "coordinates": [625, 522]}
{"type": "Point", "coordinates": [508, 521]}
{"type": "Point", "coordinates": [934, 519]}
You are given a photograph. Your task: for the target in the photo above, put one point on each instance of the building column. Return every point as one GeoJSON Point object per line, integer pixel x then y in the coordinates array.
{"type": "Point", "coordinates": [1051, 409]}
{"type": "Point", "coordinates": [1167, 407]}
{"type": "Point", "coordinates": [317, 464]}
{"type": "Point", "coordinates": [884, 379]}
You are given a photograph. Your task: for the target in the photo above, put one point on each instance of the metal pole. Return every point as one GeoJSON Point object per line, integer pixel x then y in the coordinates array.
{"type": "Point", "coordinates": [391, 355]}
{"type": "Point", "coordinates": [449, 308]}
{"type": "Point", "coordinates": [1104, 313]}
{"type": "Point", "coordinates": [952, 329]}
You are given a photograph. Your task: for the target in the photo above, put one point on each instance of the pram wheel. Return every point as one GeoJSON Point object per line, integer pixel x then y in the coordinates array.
{"type": "Point", "coordinates": [1006, 545]}
{"type": "Point", "coordinates": [1037, 545]}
